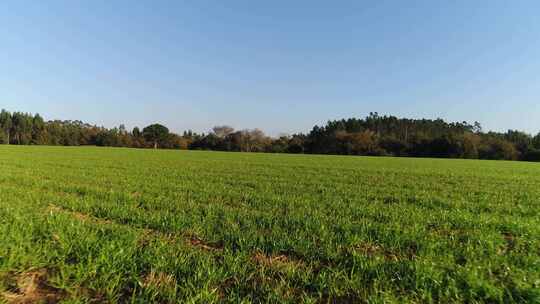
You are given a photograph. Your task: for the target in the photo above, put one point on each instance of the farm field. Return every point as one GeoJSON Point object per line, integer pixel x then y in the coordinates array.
{"type": "Point", "coordinates": [92, 225]}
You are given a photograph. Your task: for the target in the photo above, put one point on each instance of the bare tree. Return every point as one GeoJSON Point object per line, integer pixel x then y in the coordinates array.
{"type": "Point", "coordinates": [222, 131]}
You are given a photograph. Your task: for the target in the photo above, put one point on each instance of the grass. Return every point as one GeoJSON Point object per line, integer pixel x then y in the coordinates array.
{"type": "Point", "coordinates": [87, 225]}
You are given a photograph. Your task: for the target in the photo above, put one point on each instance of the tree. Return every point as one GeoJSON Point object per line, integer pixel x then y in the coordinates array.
{"type": "Point", "coordinates": [249, 140]}
{"type": "Point", "coordinates": [296, 144]}
{"type": "Point", "coordinates": [21, 127]}
{"type": "Point", "coordinates": [38, 130]}
{"type": "Point", "coordinates": [536, 141]}
{"type": "Point", "coordinates": [372, 135]}
{"type": "Point", "coordinates": [522, 141]}
{"type": "Point", "coordinates": [222, 131]}
{"type": "Point", "coordinates": [394, 146]}
{"type": "Point", "coordinates": [497, 148]}
{"type": "Point", "coordinates": [155, 134]}
{"type": "Point", "coordinates": [5, 125]}
{"type": "Point", "coordinates": [136, 132]}
{"type": "Point", "coordinates": [471, 142]}
{"type": "Point", "coordinates": [279, 145]}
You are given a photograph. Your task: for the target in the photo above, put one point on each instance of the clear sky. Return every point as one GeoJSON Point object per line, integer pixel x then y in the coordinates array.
{"type": "Point", "coordinates": [279, 65]}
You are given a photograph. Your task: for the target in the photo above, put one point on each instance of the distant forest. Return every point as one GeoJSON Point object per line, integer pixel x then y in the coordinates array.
{"type": "Point", "coordinates": [373, 135]}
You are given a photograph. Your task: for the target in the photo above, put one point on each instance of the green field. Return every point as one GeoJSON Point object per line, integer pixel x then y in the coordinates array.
{"type": "Point", "coordinates": [92, 225]}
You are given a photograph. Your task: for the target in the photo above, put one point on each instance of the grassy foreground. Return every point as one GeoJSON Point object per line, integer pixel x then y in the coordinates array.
{"type": "Point", "coordinates": [87, 225]}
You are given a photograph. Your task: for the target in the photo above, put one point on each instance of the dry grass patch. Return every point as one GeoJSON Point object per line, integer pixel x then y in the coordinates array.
{"type": "Point", "coordinates": [197, 242]}
{"type": "Point", "coordinates": [375, 251]}
{"type": "Point", "coordinates": [159, 280]}
{"type": "Point", "coordinates": [510, 243]}
{"type": "Point", "coordinates": [83, 217]}
{"type": "Point", "coordinates": [33, 287]}
{"type": "Point", "coordinates": [275, 261]}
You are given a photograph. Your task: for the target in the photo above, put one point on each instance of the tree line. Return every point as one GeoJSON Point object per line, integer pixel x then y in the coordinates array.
{"type": "Point", "coordinates": [373, 135]}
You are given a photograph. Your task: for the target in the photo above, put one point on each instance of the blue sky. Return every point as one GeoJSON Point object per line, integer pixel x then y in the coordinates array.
{"type": "Point", "coordinates": [282, 66]}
